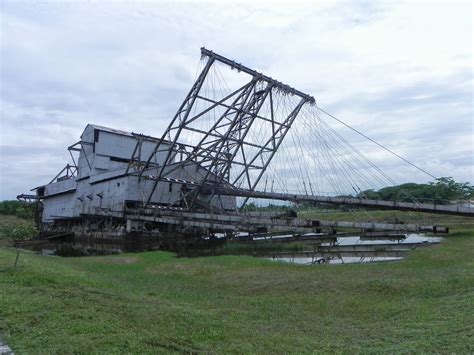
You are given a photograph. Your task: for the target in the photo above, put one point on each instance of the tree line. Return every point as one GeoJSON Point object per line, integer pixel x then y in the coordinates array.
{"type": "Point", "coordinates": [16, 208]}
{"type": "Point", "coordinates": [442, 191]}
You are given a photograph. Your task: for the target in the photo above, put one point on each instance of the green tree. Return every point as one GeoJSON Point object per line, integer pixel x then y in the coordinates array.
{"type": "Point", "coordinates": [17, 208]}
{"type": "Point", "coordinates": [448, 188]}
{"type": "Point", "coordinates": [442, 190]}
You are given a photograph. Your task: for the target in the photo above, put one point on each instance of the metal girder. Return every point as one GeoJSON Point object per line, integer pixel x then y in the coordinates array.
{"type": "Point", "coordinates": [179, 117]}
{"type": "Point", "coordinates": [275, 141]}
{"type": "Point", "coordinates": [27, 198]}
{"type": "Point", "coordinates": [254, 73]}
{"type": "Point", "coordinates": [227, 146]}
{"type": "Point", "coordinates": [221, 103]}
{"type": "Point", "coordinates": [213, 152]}
{"type": "Point", "coordinates": [244, 221]}
{"type": "Point", "coordinates": [348, 201]}
{"type": "Point", "coordinates": [239, 128]}
{"type": "Point", "coordinates": [71, 171]}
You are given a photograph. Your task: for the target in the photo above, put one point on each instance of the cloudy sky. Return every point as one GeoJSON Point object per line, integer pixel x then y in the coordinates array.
{"type": "Point", "coordinates": [402, 72]}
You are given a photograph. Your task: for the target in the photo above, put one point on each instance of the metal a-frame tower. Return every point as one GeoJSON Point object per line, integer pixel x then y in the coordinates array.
{"type": "Point", "coordinates": [226, 144]}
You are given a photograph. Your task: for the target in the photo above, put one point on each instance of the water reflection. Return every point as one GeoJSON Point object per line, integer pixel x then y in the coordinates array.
{"type": "Point", "coordinates": [365, 250]}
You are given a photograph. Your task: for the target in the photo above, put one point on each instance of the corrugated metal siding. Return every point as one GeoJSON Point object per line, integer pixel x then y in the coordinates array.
{"type": "Point", "coordinates": [103, 188]}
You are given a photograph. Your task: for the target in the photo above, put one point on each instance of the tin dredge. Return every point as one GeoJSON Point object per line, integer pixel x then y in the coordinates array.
{"type": "Point", "coordinates": [189, 187]}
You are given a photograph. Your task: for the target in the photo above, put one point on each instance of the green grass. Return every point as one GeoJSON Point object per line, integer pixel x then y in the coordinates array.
{"type": "Point", "coordinates": [154, 302]}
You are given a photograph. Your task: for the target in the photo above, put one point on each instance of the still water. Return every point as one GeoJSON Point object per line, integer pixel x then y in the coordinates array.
{"type": "Point", "coordinates": [415, 240]}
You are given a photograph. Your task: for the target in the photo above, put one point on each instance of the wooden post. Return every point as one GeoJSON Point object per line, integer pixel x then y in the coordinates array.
{"type": "Point", "coordinates": [17, 256]}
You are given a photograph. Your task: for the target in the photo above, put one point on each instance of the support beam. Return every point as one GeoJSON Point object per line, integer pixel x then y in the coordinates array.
{"type": "Point", "coordinates": [379, 204]}
{"type": "Point", "coordinates": [243, 68]}
{"type": "Point", "coordinates": [246, 222]}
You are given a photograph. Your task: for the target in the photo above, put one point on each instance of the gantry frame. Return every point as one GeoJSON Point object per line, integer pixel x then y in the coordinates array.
{"type": "Point", "coordinates": [225, 145]}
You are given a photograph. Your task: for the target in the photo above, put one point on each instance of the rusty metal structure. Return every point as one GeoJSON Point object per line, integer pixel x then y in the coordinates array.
{"type": "Point", "coordinates": [193, 182]}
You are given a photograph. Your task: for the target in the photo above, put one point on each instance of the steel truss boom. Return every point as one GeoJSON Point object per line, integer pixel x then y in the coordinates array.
{"type": "Point", "coordinates": [392, 205]}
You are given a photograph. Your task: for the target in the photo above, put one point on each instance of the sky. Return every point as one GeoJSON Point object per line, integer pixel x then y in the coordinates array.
{"type": "Point", "coordinates": [401, 72]}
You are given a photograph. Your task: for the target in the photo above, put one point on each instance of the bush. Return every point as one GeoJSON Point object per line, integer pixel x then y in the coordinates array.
{"type": "Point", "coordinates": [17, 231]}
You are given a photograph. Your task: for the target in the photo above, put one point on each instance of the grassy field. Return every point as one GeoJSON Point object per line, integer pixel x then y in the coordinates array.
{"type": "Point", "coordinates": [154, 302]}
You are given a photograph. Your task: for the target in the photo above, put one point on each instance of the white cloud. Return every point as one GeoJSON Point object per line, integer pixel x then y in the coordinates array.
{"type": "Point", "coordinates": [400, 72]}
